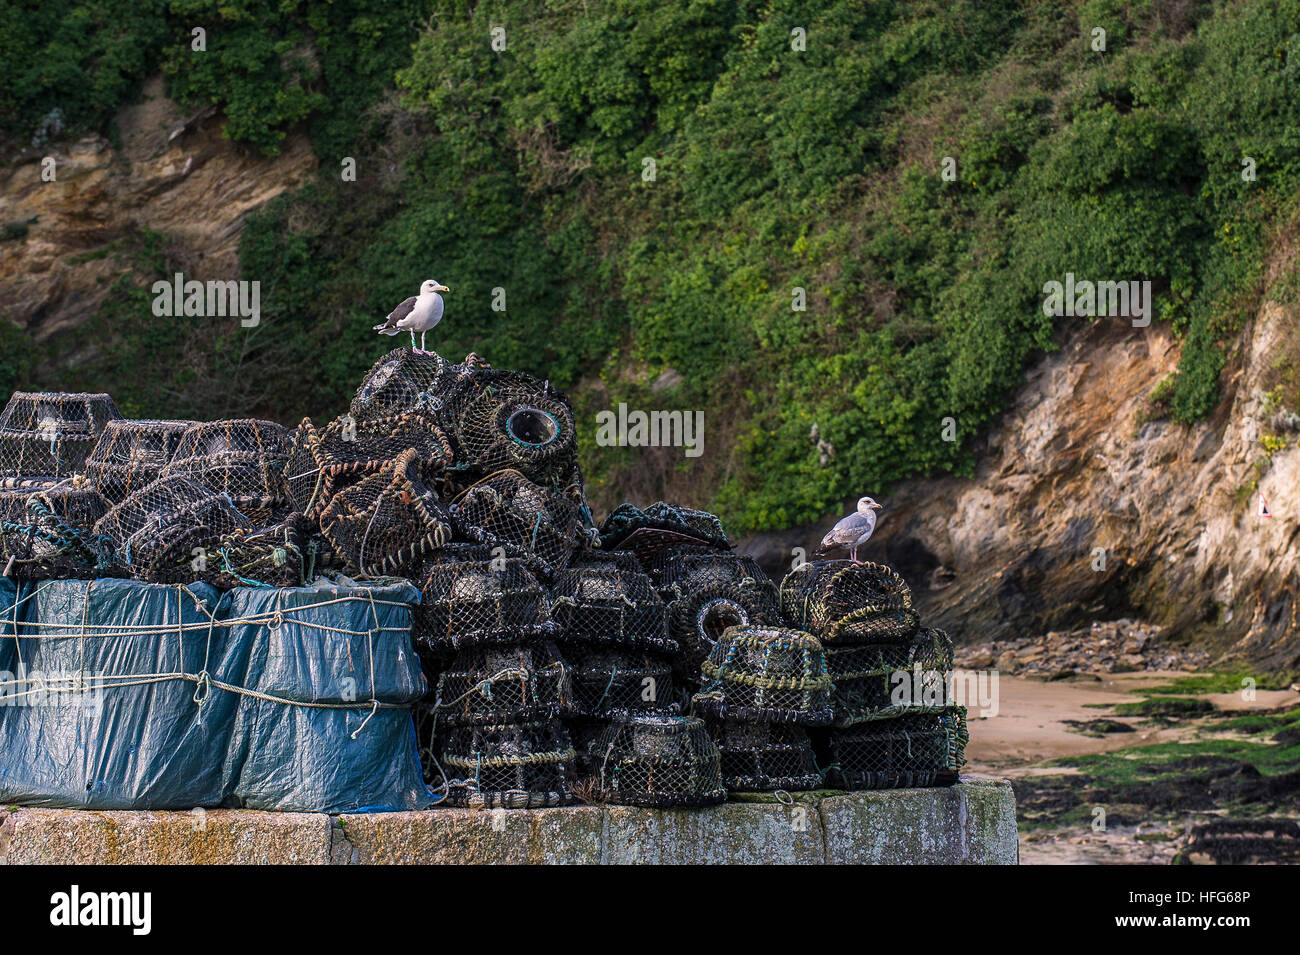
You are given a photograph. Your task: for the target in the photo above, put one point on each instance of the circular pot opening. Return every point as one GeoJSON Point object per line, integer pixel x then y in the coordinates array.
{"type": "Point", "coordinates": [719, 614]}
{"type": "Point", "coordinates": [533, 427]}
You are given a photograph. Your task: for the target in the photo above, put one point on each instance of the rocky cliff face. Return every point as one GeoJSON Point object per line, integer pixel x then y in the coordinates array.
{"type": "Point", "coordinates": [1075, 466]}
{"type": "Point", "coordinates": [172, 173]}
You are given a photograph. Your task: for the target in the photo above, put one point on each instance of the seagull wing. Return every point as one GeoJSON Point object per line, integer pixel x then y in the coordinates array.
{"type": "Point", "coordinates": [850, 529]}
{"type": "Point", "coordinates": [399, 313]}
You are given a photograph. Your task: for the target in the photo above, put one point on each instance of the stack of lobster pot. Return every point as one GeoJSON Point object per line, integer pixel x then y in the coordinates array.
{"type": "Point", "coordinates": [491, 736]}
{"type": "Point", "coordinates": [614, 637]}
{"type": "Point", "coordinates": [762, 687]}
{"type": "Point", "coordinates": [894, 722]}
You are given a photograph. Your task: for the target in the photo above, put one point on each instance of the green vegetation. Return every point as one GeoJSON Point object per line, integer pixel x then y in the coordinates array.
{"type": "Point", "coordinates": [775, 169]}
{"type": "Point", "coordinates": [1167, 706]}
{"type": "Point", "coordinates": [1215, 683]}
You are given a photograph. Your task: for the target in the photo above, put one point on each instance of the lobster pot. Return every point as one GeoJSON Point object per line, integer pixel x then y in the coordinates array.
{"type": "Point", "coordinates": [764, 757]}
{"type": "Point", "coordinates": [766, 674]}
{"type": "Point", "coordinates": [469, 603]}
{"type": "Point", "coordinates": [130, 454]}
{"type": "Point", "coordinates": [618, 684]}
{"type": "Point", "coordinates": [869, 677]}
{"type": "Point", "coordinates": [707, 592]}
{"type": "Point", "coordinates": [899, 750]}
{"type": "Point", "coordinates": [386, 523]}
{"type": "Point", "coordinates": [322, 463]}
{"type": "Point", "coordinates": [608, 600]}
{"type": "Point", "coordinates": [275, 556]}
{"type": "Point", "coordinates": [49, 532]}
{"type": "Point", "coordinates": [495, 685]}
{"type": "Point", "coordinates": [404, 382]}
{"type": "Point", "coordinates": [536, 524]}
{"type": "Point", "coordinates": [839, 601]}
{"type": "Point", "coordinates": [660, 525]}
{"type": "Point", "coordinates": [243, 459]}
{"type": "Point", "coordinates": [656, 761]}
{"type": "Point", "coordinates": [324, 722]}
{"type": "Point", "coordinates": [169, 531]}
{"type": "Point", "coordinates": [505, 419]}
{"type": "Point", "coordinates": [47, 436]}
{"type": "Point", "coordinates": [508, 766]}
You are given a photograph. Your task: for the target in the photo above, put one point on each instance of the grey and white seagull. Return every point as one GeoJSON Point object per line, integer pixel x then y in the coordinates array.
{"type": "Point", "coordinates": [852, 531]}
{"type": "Point", "coordinates": [419, 313]}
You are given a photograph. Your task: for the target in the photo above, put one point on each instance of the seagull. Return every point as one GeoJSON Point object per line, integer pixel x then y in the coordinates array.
{"type": "Point", "coordinates": [419, 313]}
{"type": "Point", "coordinates": [852, 531]}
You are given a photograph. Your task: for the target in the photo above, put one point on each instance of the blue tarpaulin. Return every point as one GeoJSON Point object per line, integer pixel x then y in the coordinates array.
{"type": "Point", "coordinates": [129, 695]}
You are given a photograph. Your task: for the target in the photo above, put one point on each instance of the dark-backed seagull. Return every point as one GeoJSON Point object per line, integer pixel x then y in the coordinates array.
{"type": "Point", "coordinates": [419, 313]}
{"type": "Point", "coordinates": [852, 531]}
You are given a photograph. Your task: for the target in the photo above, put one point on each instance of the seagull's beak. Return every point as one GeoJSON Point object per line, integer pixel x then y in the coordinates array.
{"type": "Point", "coordinates": [877, 507]}
{"type": "Point", "coordinates": [442, 288]}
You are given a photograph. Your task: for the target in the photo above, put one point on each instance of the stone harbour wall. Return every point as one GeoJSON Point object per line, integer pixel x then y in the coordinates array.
{"type": "Point", "coordinates": [973, 822]}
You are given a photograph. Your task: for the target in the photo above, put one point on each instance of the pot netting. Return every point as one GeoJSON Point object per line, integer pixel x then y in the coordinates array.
{"type": "Point", "coordinates": [467, 603]}
{"type": "Point", "coordinates": [406, 382]}
{"type": "Point", "coordinates": [655, 761]}
{"type": "Point", "coordinates": [130, 454]}
{"type": "Point", "coordinates": [764, 757]}
{"type": "Point", "coordinates": [871, 676]}
{"type": "Point", "coordinates": [323, 462]}
{"type": "Point", "coordinates": [387, 522]}
{"type": "Point", "coordinates": [840, 601]}
{"type": "Point", "coordinates": [507, 766]}
{"type": "Point", "coordinates": [647, 532]}
{"type": "Point", "coordinates": [618, 684]}
{"type": "Point", "coordinates": [505, 419]}
{"type": "Point", "coordinates": [169, 531]}
{"type": "Point", "coordinates": [497, 685]}
{"type": "Point", "coordinates": [608, 600]}
{"type": "Point", "coordinates": [899, 750]}
{"type": "Point", "coordinates": [706, 593]}
{"type": "Point", "coordinates": [539, 525]}
{"type": "Point", "coordinates": [274, 556]}
{"type": "Point", "coordinates": [49, 532]}
{"type": "Point", "coordinates": [242, 458]}
{"type": "Point", "coordinates": [48, 435]}
{"type": "Point", "coordinates": [766, 674]}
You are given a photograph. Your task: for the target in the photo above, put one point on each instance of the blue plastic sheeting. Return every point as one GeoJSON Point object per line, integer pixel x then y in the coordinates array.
{"type": "Point", "coordinates": [105, 719]}
{"type": "Point", "coordinates": [9, 595]}
{"type": "Point", "coordinates": [348, 658]}
{"type": "Point", "coordinates": [131, 695]}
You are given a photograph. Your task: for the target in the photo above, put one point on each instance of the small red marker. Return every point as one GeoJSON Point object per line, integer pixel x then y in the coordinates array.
{"type": "Point", "coordinates": [1263, 507]}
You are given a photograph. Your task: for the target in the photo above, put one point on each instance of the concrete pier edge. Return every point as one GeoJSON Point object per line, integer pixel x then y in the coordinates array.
{"type": "Point", "coordinates": [973, 822]}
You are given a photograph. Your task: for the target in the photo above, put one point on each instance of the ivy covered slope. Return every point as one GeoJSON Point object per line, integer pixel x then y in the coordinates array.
{"type": "Point", "coordinates": [774, 169]}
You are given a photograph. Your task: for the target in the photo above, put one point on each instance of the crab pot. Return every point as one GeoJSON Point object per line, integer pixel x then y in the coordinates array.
{"type": "Point", "coordinates": [839, 601]}
{"type": "Point", "coordinates": [707, 592]}
{"type": "Point", "coordinates": [618, 684]}
{"type": "Point", "coordinates": [403, 382]}
{"type": "Point", "coordinates": [130, 454]}
{"type": "Point", "coordinates": [869, 677]}
{"type": "Point", "coordinates": [507, 766]}
{"type": "Point", "coordinates": [496, 685]}
{"type": "Point", "coordinates": [466, 603]}
{"type": "Point", "coordinates": [242, 458]}
{"type": "Point", "coordinates": [170, 531]}
{"type": "Point", "coordinates": [275, 556]}
{"type": "Point", "coordinates": [386, 523]}
{"type": "Point", "coordinates": [765, 757]}
{"type": "Point", "coordinates": [899, 750]}
{"type": "Point", "coordinates": [47, 436]}
{"type": "Point", "coordinates": [607, 600]}
{"type": "Point", "coordinates": [660, 525]}
{"type": "Point", "coordinates": [48, 533]}
{"type": "Point", "coordinates": [536, 524]}
{"type": "Point", "coordinates": [655, 761]}
{"type": "Point", "coordinates": [322, 463]}
{"type": "Point", "coordinates": [766, 674]}
{"type": "Point", "coordinates": [505, 419]}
